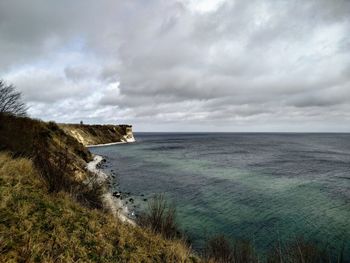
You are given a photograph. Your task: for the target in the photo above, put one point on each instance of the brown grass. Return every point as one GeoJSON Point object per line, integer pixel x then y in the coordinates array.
{"type": "Point", "coordinates": [58, 157]}
{"type": "Point", "coordinates": [39, 227]}
{"type": "Point", "coordinates": [219, 249]}
{"type": "Point", "coordinates": [28, 137]}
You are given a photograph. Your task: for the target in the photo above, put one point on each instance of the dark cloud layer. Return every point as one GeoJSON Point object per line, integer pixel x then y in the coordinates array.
{"type": "Point", "coordinates": [182, 65]}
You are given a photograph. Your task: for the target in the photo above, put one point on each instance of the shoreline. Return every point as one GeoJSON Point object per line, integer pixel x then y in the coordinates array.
{"type": "Point", "coordinates": [108, 144]}
{"type": "Point", "coordinates": [114, 205]}
{"type": "Point", "coordinates": [104, 144]}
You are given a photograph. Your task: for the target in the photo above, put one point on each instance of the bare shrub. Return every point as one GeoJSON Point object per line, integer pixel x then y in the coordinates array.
{"type": "Point", "coordinates": [219, 249]}
{"type": "Point", "coordinates": [90, 194]}
{"type": "Point", "coordinates": [160, 218]}
{"type": "Point", "coordinates": [302, 251]}
{"type": "Point", "coordinates": [58, 175]}
{"type": "Point", "coordinates": [244, 251]}
{"type": "Point", "coordinates": [10, 100]}
{"type": "Point", "coordinates": [53, 168]}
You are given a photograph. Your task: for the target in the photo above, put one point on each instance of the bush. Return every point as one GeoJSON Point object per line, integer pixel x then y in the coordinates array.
{"type": "Point", "coordinates": [90, 194]}
{"type": "Point", "coordinates": [54, 153]}
{"type": "Point", "coordinates": [54, 170]}
{"type": "Point", "coordinates": [299, 250]}
{"type": "Point", "coordinates": [53, 126]}
{"type": "Point", "coordinates": [58, 175]}
{"type": "Point", "coordinates": [220, 250]}
{"type": "Point", "coordinates": [160, 218]}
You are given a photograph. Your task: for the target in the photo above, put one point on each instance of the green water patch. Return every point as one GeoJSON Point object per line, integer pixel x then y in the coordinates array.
{"type": "Point", "coordinates": [267, 209]}
{"type": "Point", "coordinates": [256, 197]}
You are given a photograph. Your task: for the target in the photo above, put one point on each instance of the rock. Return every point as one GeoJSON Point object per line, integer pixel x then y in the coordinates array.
{"type": "Point", "coordinates": [117, 194]}
{"type": "Point", "coordinates": [131, 200]}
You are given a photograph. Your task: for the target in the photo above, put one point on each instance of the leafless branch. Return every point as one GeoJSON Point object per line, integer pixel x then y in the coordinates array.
{"type": "Point", "coordinates": [11, 101]}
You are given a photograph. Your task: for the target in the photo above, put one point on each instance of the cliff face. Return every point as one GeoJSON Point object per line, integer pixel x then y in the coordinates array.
{"type": "Point", "coordinates": [99, 134]}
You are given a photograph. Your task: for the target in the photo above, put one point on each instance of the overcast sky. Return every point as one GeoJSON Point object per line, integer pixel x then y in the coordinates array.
{"type": "Point", "coordinates": [185, 65]}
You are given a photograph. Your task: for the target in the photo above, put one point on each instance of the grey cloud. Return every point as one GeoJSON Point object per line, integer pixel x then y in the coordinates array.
{"type": "Point", "coordinates": [246, 61]}
{"type": "Point", "coordinates": [46, 86]}
{"type": "Point", "coordinates": [81, 72]}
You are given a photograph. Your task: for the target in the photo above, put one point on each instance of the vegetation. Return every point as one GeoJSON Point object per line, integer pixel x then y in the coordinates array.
{"type": "Point", "coordinates": [160, 218]}
{"type": "Point", "coordinates": [36, 226]}
{"type": "Point", "coordinates": [48, 213]}
{"type": "Point", "coordinates": [219, 249]}
{"type": "Point", "coordinates": [10, 100]}
{"type": "Point", "coordinates": [58, 157]}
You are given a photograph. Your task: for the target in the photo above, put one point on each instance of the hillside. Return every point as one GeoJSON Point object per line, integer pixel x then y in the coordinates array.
{"type": "Point", "coordinates": [99, 134]}
{"type": "Point", "coordinates": [48, 213]}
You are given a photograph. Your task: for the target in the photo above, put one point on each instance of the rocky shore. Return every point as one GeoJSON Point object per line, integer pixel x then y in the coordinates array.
{"type": "Point", "coordinates": [112, 201]}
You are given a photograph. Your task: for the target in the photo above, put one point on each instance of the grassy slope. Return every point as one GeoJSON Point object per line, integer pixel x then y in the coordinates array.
{"type": "Point", "coordinates": [95, 134]}
{"type": "Point", "coordinates": [36, 226]}
{"type": "Point", "coordinates": [42, 223]}
{"type": "Point", "coordinates": [32, 138]}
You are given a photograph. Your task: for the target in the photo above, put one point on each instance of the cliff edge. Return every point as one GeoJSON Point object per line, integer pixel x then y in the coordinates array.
{"type": "Point", "coordinates": [52, 207]}
{"type": "Point", "coordinates": [89, 135]}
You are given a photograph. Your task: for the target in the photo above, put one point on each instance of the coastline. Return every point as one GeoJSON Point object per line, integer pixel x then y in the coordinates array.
{"type": "Point", "coordinates": [113, 204]}
{"type": "Point", "coordinates": [112, 143]}
{"type": "Point", "coordinates": [104, 144]}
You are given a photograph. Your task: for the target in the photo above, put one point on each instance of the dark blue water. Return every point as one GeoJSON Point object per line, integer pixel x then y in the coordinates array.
{"type": "Point", "coordinates": [262, 187]}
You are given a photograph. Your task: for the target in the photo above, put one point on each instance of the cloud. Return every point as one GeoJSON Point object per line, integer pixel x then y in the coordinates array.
{"type": "Point", "coordinates": [193, 63]}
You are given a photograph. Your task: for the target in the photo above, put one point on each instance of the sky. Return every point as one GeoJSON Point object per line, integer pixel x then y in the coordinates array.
{"type": "Point", "coordinates": [182, 65]}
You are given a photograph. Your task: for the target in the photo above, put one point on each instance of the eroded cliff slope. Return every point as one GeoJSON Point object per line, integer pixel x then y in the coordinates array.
{"type": "Point", "coordinates": [99, 134]}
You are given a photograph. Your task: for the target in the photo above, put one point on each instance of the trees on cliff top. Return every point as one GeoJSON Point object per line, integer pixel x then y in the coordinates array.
{"type": "Point", "coordinates": [11, 101]}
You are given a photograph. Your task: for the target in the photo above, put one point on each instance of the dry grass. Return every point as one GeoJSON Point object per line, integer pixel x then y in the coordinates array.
{"type": "Point", "coordinates": [220, 250]}
{"type": "Point", "coordinates": [39, 227]}
{"type": "Point", "coordinates": [58, 157]}
{"type": "Point", "coordinates": [160, 218]}
{"type": "Point", "coordinates": [28, 137]}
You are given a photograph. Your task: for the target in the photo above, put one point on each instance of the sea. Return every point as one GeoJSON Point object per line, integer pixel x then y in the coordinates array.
{"type": "Point", "coordinates": [261, 187]}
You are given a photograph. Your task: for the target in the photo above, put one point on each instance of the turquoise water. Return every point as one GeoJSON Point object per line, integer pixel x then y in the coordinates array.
{"type": "Point", "coordinates": [261, 187]}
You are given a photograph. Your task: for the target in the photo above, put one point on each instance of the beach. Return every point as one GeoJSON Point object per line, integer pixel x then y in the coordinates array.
{"type": "Point", "coordinates": [112, 203]}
